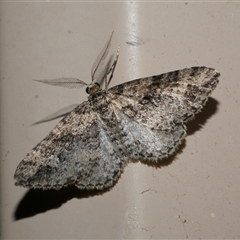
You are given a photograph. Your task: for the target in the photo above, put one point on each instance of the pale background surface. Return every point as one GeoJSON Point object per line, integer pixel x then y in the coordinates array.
{"type": "Point", "coordinates": [197, 194]}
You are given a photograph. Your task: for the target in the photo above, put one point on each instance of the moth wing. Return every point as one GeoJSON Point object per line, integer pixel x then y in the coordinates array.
{"type": "Point", "coordinates": [73, 152]}
{"type": "Point", "coordinates": [110, 159]}
{"type": "Point", "coordinates": [143, 143]}
{"type": "Point", "coordinates": [53, 162]}
{"type": "Point", "coordinates": [165, 101]}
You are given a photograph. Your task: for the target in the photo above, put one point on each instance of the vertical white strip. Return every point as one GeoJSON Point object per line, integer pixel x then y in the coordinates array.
{"type": "Point", "coordinates": [134, 215]}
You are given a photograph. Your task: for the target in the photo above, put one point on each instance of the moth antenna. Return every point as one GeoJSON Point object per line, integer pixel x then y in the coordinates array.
{"type": "Point", "coordinates": [97, 65]}
{"type": "Point", "coordinates": [63, 82]}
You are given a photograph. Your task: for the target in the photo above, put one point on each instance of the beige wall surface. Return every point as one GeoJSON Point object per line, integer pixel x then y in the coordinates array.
{"type": "Point", "coordinates": [195, 193]}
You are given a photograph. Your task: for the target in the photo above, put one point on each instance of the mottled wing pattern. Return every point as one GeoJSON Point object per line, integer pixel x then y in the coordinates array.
{"type": "Point", "coordinates": [143, 143]}
{"type": "Point", "coordinates": [77, 151]}
{"type": "Point", "coordinates": [165, 101]}
{"type": "Point", "coordinates": [142, 119]}
{"type": "Point", "coordinates": [111, 158]}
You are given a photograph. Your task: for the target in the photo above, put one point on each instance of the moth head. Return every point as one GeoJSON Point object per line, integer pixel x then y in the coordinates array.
{"type": "Point", "coordinates": [93, 88]}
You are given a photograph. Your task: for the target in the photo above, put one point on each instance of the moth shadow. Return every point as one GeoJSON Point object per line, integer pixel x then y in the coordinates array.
{"type": "Point", "coordinates": [193, 126]}
{"type": "Point", "coordinates": [201, 118]}
{"type": "Point", "coordinates": [37, 201]}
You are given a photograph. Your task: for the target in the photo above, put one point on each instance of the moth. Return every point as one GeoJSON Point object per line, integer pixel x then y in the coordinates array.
{"type": "Point", "coordinates": [143, 119]}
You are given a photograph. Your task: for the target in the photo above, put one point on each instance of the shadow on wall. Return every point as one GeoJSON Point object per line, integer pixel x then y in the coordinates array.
{"type": "Point", "coordinates": [39, 201]}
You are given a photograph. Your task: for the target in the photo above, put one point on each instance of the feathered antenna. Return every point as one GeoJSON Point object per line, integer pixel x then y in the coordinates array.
{"type": "Point", "coordinates": [99, 62]}
{"type": "Point", "coordinates": [77, 83]}
{"type": "Point", "coordinates": [63, 82]}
